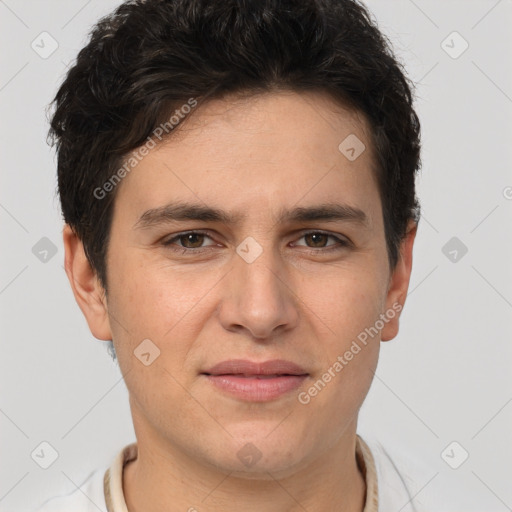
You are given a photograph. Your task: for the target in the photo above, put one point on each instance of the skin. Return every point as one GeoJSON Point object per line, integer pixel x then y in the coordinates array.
{"type": "Point", "coordinates": [296, 301]}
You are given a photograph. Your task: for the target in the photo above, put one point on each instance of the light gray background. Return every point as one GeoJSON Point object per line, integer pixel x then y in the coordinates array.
{"type": "Point", "coordinates": [446, 377]}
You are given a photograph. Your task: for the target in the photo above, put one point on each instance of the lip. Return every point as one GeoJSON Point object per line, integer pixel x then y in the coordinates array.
{"type": "Point", "coordinates": [256, 381]}
{"type": "Point", "coordinates": [250, 368]}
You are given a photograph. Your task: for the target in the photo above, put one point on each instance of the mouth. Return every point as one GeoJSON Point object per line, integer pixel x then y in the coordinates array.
{"type": "Point", "coordinates": [256, 381]}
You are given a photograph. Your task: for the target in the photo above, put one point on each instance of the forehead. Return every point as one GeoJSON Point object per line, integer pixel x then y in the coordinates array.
{"type": "Point", "coordinates": [266, 150]}
{"type": "Point", "coordinates": [311, 118]}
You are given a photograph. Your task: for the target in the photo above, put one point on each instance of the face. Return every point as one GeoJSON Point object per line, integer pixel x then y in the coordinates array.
{"type": "Point", "coordinates": [286, 270]}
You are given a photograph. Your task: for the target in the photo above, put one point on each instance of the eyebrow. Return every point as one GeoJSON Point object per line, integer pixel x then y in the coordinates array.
{"type": "Point", "coordinates": [327, 212]}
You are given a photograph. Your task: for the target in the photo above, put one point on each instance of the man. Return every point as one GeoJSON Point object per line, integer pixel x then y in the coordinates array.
{"type": "Point", "coordinates": [237, 183]}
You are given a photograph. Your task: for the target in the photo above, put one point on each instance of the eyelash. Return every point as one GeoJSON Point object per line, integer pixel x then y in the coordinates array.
{"type": "Point", "coordinates": [341, 243]}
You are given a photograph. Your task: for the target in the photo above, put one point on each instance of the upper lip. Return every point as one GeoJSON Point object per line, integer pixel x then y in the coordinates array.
{"type": "Point", "coordinates": [246, 367]}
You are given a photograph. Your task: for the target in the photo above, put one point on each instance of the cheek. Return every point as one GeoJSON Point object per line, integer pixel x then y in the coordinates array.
{"type": "Point", "coordinates": [351, 301]}
{"type": "Point", "coordinates": [160, 304]}
{"type": "Point", "coordinates": [351, 306]}
{"type": "Point", "coordinates": [350, 359]}
{"type": "Point", "coordinates": [151, 298]}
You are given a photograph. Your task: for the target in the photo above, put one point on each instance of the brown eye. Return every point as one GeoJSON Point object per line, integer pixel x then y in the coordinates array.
{"type": "Point", "coordinates": [320, 240]}
{"type": "Point", "coordinates": [317, 239]}
{"type": "Point", "coordinates": [192, 240]}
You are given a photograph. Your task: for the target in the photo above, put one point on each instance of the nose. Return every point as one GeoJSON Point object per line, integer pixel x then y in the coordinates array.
{"type": "Point", "coordinates": [259, 298]}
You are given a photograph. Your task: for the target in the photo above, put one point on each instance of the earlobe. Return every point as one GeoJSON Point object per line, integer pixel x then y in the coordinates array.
{"type": "Point", "coordinates": [88, 292]}
{"type": "Point", "coordinates": [399, 284]}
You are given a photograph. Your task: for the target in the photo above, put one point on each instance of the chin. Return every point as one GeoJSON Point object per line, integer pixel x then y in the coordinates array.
{"type": "Point", "coordinates": [266, 468]}
{"type": "Point", "coordinates": [262, 456]}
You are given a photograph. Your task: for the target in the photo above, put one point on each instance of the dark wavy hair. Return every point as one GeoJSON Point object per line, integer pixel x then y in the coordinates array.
{"type": "Point", "coordinates": [149, 57]}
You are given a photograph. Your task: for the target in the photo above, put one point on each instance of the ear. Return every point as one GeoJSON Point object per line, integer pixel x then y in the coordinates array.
{"type": "Point", "coordinates": [88, 292]}
{"type": "Point", "coordinates": [399, 284]}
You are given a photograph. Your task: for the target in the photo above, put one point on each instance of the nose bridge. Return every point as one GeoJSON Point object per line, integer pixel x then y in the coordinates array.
{"type": "Point", "coordinates": [260, 300]}
{"type": "Point", "coordinates": [259, 273]}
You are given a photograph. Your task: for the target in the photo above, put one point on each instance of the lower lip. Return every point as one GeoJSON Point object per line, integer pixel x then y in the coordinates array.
{"type": "Point", "coordinates": [254, 389]}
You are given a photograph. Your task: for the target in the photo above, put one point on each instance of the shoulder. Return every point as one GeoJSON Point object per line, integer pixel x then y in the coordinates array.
{"type": "Point", "coordinates": [408, 484]}
{"type": "Point", "coordinates": [397, 478]}
{"type": "Point", "coordinates": [89, 497]}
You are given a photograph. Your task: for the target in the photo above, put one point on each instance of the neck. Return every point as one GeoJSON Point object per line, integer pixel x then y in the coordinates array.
{"type": "Point", "coordinates": [164, 478]}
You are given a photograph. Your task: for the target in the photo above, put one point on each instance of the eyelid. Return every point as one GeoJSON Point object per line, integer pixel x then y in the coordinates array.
{"type": "Point", "coordinates": [342, 241]}
{"type": "Point", "coordinates": [177, 236]}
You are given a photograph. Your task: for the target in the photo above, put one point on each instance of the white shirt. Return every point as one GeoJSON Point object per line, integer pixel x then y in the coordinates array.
{"type": "Point", "coordinates": [389, 484]}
